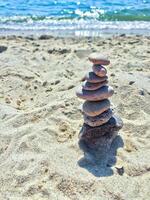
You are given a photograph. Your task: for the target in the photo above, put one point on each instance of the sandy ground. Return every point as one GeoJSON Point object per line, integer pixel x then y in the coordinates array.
{"type": "Point", "coordinates": [40, 120]}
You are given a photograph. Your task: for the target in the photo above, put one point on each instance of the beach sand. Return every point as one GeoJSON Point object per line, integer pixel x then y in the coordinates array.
{"type": "Point", "coordinates": [40, 119]}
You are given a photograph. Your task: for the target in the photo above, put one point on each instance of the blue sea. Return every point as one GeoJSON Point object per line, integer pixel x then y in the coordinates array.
{"type": "Point", "coordinates": [75, 17]}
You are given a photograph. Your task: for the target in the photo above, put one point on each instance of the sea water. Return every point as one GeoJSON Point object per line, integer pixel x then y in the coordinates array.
{"type": "Point", "coordinates": [75, 17]}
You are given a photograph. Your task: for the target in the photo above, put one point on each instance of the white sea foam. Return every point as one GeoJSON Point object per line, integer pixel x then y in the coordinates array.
{"type": "Point", "coordinates": [75, 27]}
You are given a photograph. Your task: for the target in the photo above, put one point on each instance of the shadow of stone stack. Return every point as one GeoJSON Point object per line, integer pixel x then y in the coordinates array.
{"type": "Point", "coordinates": [101, 125]}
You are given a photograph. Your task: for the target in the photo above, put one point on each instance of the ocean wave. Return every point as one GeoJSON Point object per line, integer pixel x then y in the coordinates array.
{"type": "Point", "coordinates": [78, 14]}
{"type": "Point", "coordinates": [89, 23]}
{"type": "Point", "coordinates": [117, 10]}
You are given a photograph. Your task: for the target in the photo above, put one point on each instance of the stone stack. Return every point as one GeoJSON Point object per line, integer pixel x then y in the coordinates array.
{"type": "Point", "coordinates": [100, 123]}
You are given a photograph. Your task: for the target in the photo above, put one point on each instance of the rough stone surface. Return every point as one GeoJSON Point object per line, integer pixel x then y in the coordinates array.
{"type": "Point", "coordinates": [97, 58]}
{"type": "Point", "coordinates": [99, 119]}
{"type": "Point", "coordinates": [93, 86]}
{"type": "Point", "coordinates": [93, 78]}
{"type": "Point", "coordinates": [101, 142]}
{"type": "Point", "coordinates": [89, 133]}
{"type": "Point", "coordinates": [100, 124]}
{"type": "Point", "coordinates": [94, 108]}
{"type": "Point", "coordinates": [102, 93]}
{"type": "Point", "coordinates": [99, 70]}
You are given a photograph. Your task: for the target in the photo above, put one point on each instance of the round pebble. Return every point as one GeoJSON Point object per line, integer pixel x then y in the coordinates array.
{"type": "Point", "coordinates": [93, 86]}
{"type": "Point", "coordinates": [102, 93]}
{"type": "Point", "coordinates": [94, 108]}
{"type": "Point", "coordinates": [99, 119]}
{"type": "Point", "coordinates": [97, 58]}
{"type": "Point", "coordinates": [93, 78]}
{"type": "Point", "coordinates": [99, 70]}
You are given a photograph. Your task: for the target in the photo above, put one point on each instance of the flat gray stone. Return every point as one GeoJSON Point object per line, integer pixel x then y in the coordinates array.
{"type": "Point", "coordinates": [93, 78]}
{"type": "Point", "coordinates": [89, 133]}
{"type": "Point", "coordinates": [98, 58]}
{"type": "Point", "coordinates": [99, 119]}
{"type": "Point", "coordinates": [94, 108]}
{"type": "Point", "coordinates": [99, 70]}
{"type": "Point", "coordinates": [102, 93]}
{"type": "Point", "coordinates": [93, 86]}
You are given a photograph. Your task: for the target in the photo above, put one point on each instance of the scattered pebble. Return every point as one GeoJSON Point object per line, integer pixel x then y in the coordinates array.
{"type": "Point", "coordinates": [36, 73]}
{"type": "Point", "coordinates": [67, 104]}
{"type": "Point", "coordinates": [120, 170]}
{"type": "Point", "coordinates": [35, 87]}
{"type": "Point", "coordinates": [139, 69]}
{"type": "Point", "coordinates": [71, 86]}
{"type": "Point", "coordinates": [2, 49]}
{"type": "Point", "coordinates": [141, 92]}
{"type": "Point", "coordinates": [36, 49]}
{"type": "Point", "coordinates": [35, 44]}
{"type": "Point", "coordinates": [30, 38]}
{"type": "Point", "coordinates": [59, 51]}
{"type": "Point", "coordinates": [45, 37]}
{"type": "Point", "coordinates": [44, 83]}
{"type": "Point", "coordinates": [112, 74]}
{"type": "Point", "coordinates": [56, 82]}
{"type": "Point", "coordinates": [131, 82]}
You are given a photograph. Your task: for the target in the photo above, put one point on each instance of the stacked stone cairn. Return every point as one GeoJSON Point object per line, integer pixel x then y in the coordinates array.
{"type": "Point", "coordinates": [100, 123]}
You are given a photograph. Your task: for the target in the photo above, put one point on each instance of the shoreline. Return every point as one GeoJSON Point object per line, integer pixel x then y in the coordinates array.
{"type": "Point", "coordinates": [78, 33]}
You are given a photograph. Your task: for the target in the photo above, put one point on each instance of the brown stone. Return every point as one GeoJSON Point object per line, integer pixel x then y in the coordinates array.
{"type": "Point", "coordinates": [102, 93]}
{"type": "Point", "coordinates": [93, 86]}
{"type": "Point", "coordinates": [97, 58]}
{"type": "Point", "coordinates": [94, 108]}
{"type": "Point", "coordinates": [99, 119]}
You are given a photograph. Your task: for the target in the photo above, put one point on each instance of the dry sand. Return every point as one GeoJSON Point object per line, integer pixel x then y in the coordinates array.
{"type": "Point", "coordinates": [40, 120]}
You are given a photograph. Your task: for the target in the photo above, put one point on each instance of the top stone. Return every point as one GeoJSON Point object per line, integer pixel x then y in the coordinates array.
{"type": "Point", "coordinates": [97, 58]}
